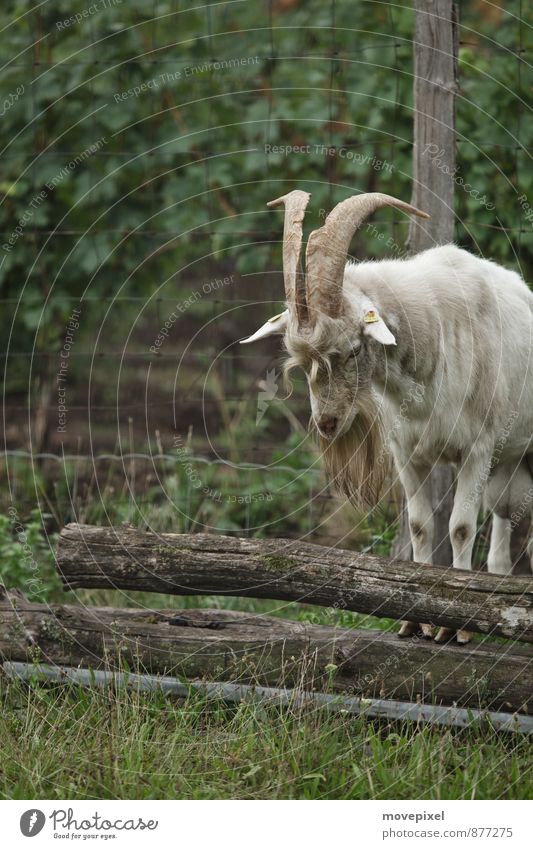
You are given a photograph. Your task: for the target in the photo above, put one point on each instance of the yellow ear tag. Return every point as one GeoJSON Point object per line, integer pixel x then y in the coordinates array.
{"type": "Point", "coordinates": [370, 317]}
{"type": "Point", "coordinates": [274, 318]}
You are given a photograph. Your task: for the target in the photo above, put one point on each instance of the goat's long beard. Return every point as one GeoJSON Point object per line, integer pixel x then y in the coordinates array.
{"type": "Point", "coordinates": [357, 462]}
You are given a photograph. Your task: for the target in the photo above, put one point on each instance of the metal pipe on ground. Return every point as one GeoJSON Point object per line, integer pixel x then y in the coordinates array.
{"type": "Point", "coordinates": [236, 693]}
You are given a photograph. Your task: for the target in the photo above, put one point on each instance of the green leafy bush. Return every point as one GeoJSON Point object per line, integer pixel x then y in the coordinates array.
{"type": "Point", "coordinates": [26, 557]}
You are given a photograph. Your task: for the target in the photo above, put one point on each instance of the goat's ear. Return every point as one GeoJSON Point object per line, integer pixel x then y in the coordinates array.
{"type": "Point", "coordinates": [273, 326]}
{"type": "Point", "coordinates": [374, 326]}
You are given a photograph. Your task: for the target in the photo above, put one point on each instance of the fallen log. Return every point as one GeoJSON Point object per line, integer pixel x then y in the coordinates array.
{"type": "Point", "coordinates": [199, 564]}
{"type": "Point", "coordinates": [246, 648]}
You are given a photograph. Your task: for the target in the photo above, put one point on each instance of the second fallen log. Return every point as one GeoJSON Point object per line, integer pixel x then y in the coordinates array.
{"type": "Point", "coordinates": [231, 646]}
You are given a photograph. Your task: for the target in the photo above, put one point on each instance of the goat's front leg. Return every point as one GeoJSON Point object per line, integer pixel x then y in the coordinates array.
{"type": "Point", "coordinates": [416, 481]}
{"type": "Point", "coordinates": [530, 549]}
{"type": "Point", "coordinates": [499, 561]}
{"type": "Point", "coordinates": [463, 523]}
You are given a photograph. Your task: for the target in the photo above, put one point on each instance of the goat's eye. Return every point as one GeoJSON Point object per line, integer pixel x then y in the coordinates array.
{"type": "Point", "coordinates": [354, 352]}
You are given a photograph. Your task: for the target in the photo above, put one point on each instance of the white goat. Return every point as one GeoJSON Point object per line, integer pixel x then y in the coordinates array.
{"type": "Point", "coordinates": [432, 352]}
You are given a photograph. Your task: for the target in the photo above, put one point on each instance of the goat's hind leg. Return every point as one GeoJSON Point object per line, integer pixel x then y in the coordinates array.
{"type": "Point", "coordinates": [463, 523]}
{"type": "Point", "coordinates": [505, 495]}
{"type": "Point", "coordinates": [499, 561]}
{"type": "Point", "coordinates": [509, 495]}
{"type": "Point", "coordinates": [528, 500]}
{"type": "Point", "coordinates": [416, 482]}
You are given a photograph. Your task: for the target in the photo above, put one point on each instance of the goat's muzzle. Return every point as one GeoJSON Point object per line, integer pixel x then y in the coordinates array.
{"type": "Point", "coordinates": [327, 426]}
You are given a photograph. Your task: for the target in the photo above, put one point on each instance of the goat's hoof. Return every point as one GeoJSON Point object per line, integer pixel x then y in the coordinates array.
{"type": "Point", "coordinates": [463, 637]}
{"type": "Point", "coordinates": [408, 629]}
{"type": "Point", "coordinates": [444, 635]}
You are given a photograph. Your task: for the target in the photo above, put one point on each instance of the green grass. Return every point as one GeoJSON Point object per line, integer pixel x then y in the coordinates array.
{"type": "Point", "coordinates": [66, 742]}
{"type": "Point", "coordinates": [60, 742]}
{"type": "Point", "coordinates": [71, 743]}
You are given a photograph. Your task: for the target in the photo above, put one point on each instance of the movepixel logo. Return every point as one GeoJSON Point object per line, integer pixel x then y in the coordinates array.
{"type": "Point", "coordinates": [32, 822]}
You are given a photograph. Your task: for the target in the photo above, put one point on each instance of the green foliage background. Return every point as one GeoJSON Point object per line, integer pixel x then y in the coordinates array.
{"type": "Point", "coordinates": [182, 175]}
{"type": "Point", "coordinates": [155, 193]}
{"type": "Point", "coordinates": [155, 190]}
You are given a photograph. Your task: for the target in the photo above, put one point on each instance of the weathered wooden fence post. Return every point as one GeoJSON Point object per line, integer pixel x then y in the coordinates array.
{"type": "Point", "coordinates": [435, 83]}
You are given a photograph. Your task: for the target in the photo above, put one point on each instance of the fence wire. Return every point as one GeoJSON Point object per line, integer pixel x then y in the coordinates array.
{"type": "Point", "coordinates": [38, 292]}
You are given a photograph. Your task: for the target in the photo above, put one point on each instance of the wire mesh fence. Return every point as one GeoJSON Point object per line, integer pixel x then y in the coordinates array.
{"type": "Point", "coordinates": [142, 142]}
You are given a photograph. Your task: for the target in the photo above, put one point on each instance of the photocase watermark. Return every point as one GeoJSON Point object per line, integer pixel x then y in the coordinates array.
{"type": "Point", "coordinates": [33, 583]}
{"type": "Point", "coordinates": [78, 17]}
{"type": "Point", "coordinates": [11, 99]}
{"type": "Point", "coordinates": [400, 251]}
{"type": "Point", "coordinates": [65, 824]}
{"type": "Point", "coordinates": [437, 155]}
{"type": "Point", "coordinates": [182, 307]}
{"type": "Point", "coordinates": [525, 507]}
{"type": "Point", "coordinates": [183, 455]}
{"type": "Point", "coordinates": [152, 84]}
{"type": "Point", "coordinates": [61, 376]}
{"type": "Point", "coordinates": [32, 822]}
{"type": "Point", "coordinates": [330, 150]}
{"type": "Point", "coordinates": [485, 473]}
{"type": "Point", "coordinates": [268, 391]}
{"type": "Point", "coordinates": [526, 208]}
{"type": "Point", "coordinates": [390, 243]}
{"type": "Point", "coordinates": [415, 395]}
{"type": "Point", "coordinates": [74, 163]}
{"type": "Point", "coordinates": [379, 674]}
{"type": "Point", "coordinates": [52, 184]}
{"type": "Point", "coordinates": [342, 603]}
{"type": "Point", "coordinates": [184, 74]}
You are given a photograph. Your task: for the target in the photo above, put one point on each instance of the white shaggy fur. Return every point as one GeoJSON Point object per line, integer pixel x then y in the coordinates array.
{"type": "Point", "coordinates": [464, 330]}
{"type": "Point", "coordinates": [435, 353]}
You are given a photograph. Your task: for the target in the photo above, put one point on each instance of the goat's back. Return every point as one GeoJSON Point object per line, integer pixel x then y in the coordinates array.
{"type": "Point", "coordinates": [465, 325]}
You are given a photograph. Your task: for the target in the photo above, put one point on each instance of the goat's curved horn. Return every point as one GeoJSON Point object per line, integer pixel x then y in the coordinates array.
{"type": "Point", "coordinates": [295, 203]}
{"type": "Point", "coordinates": [327, 248]}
